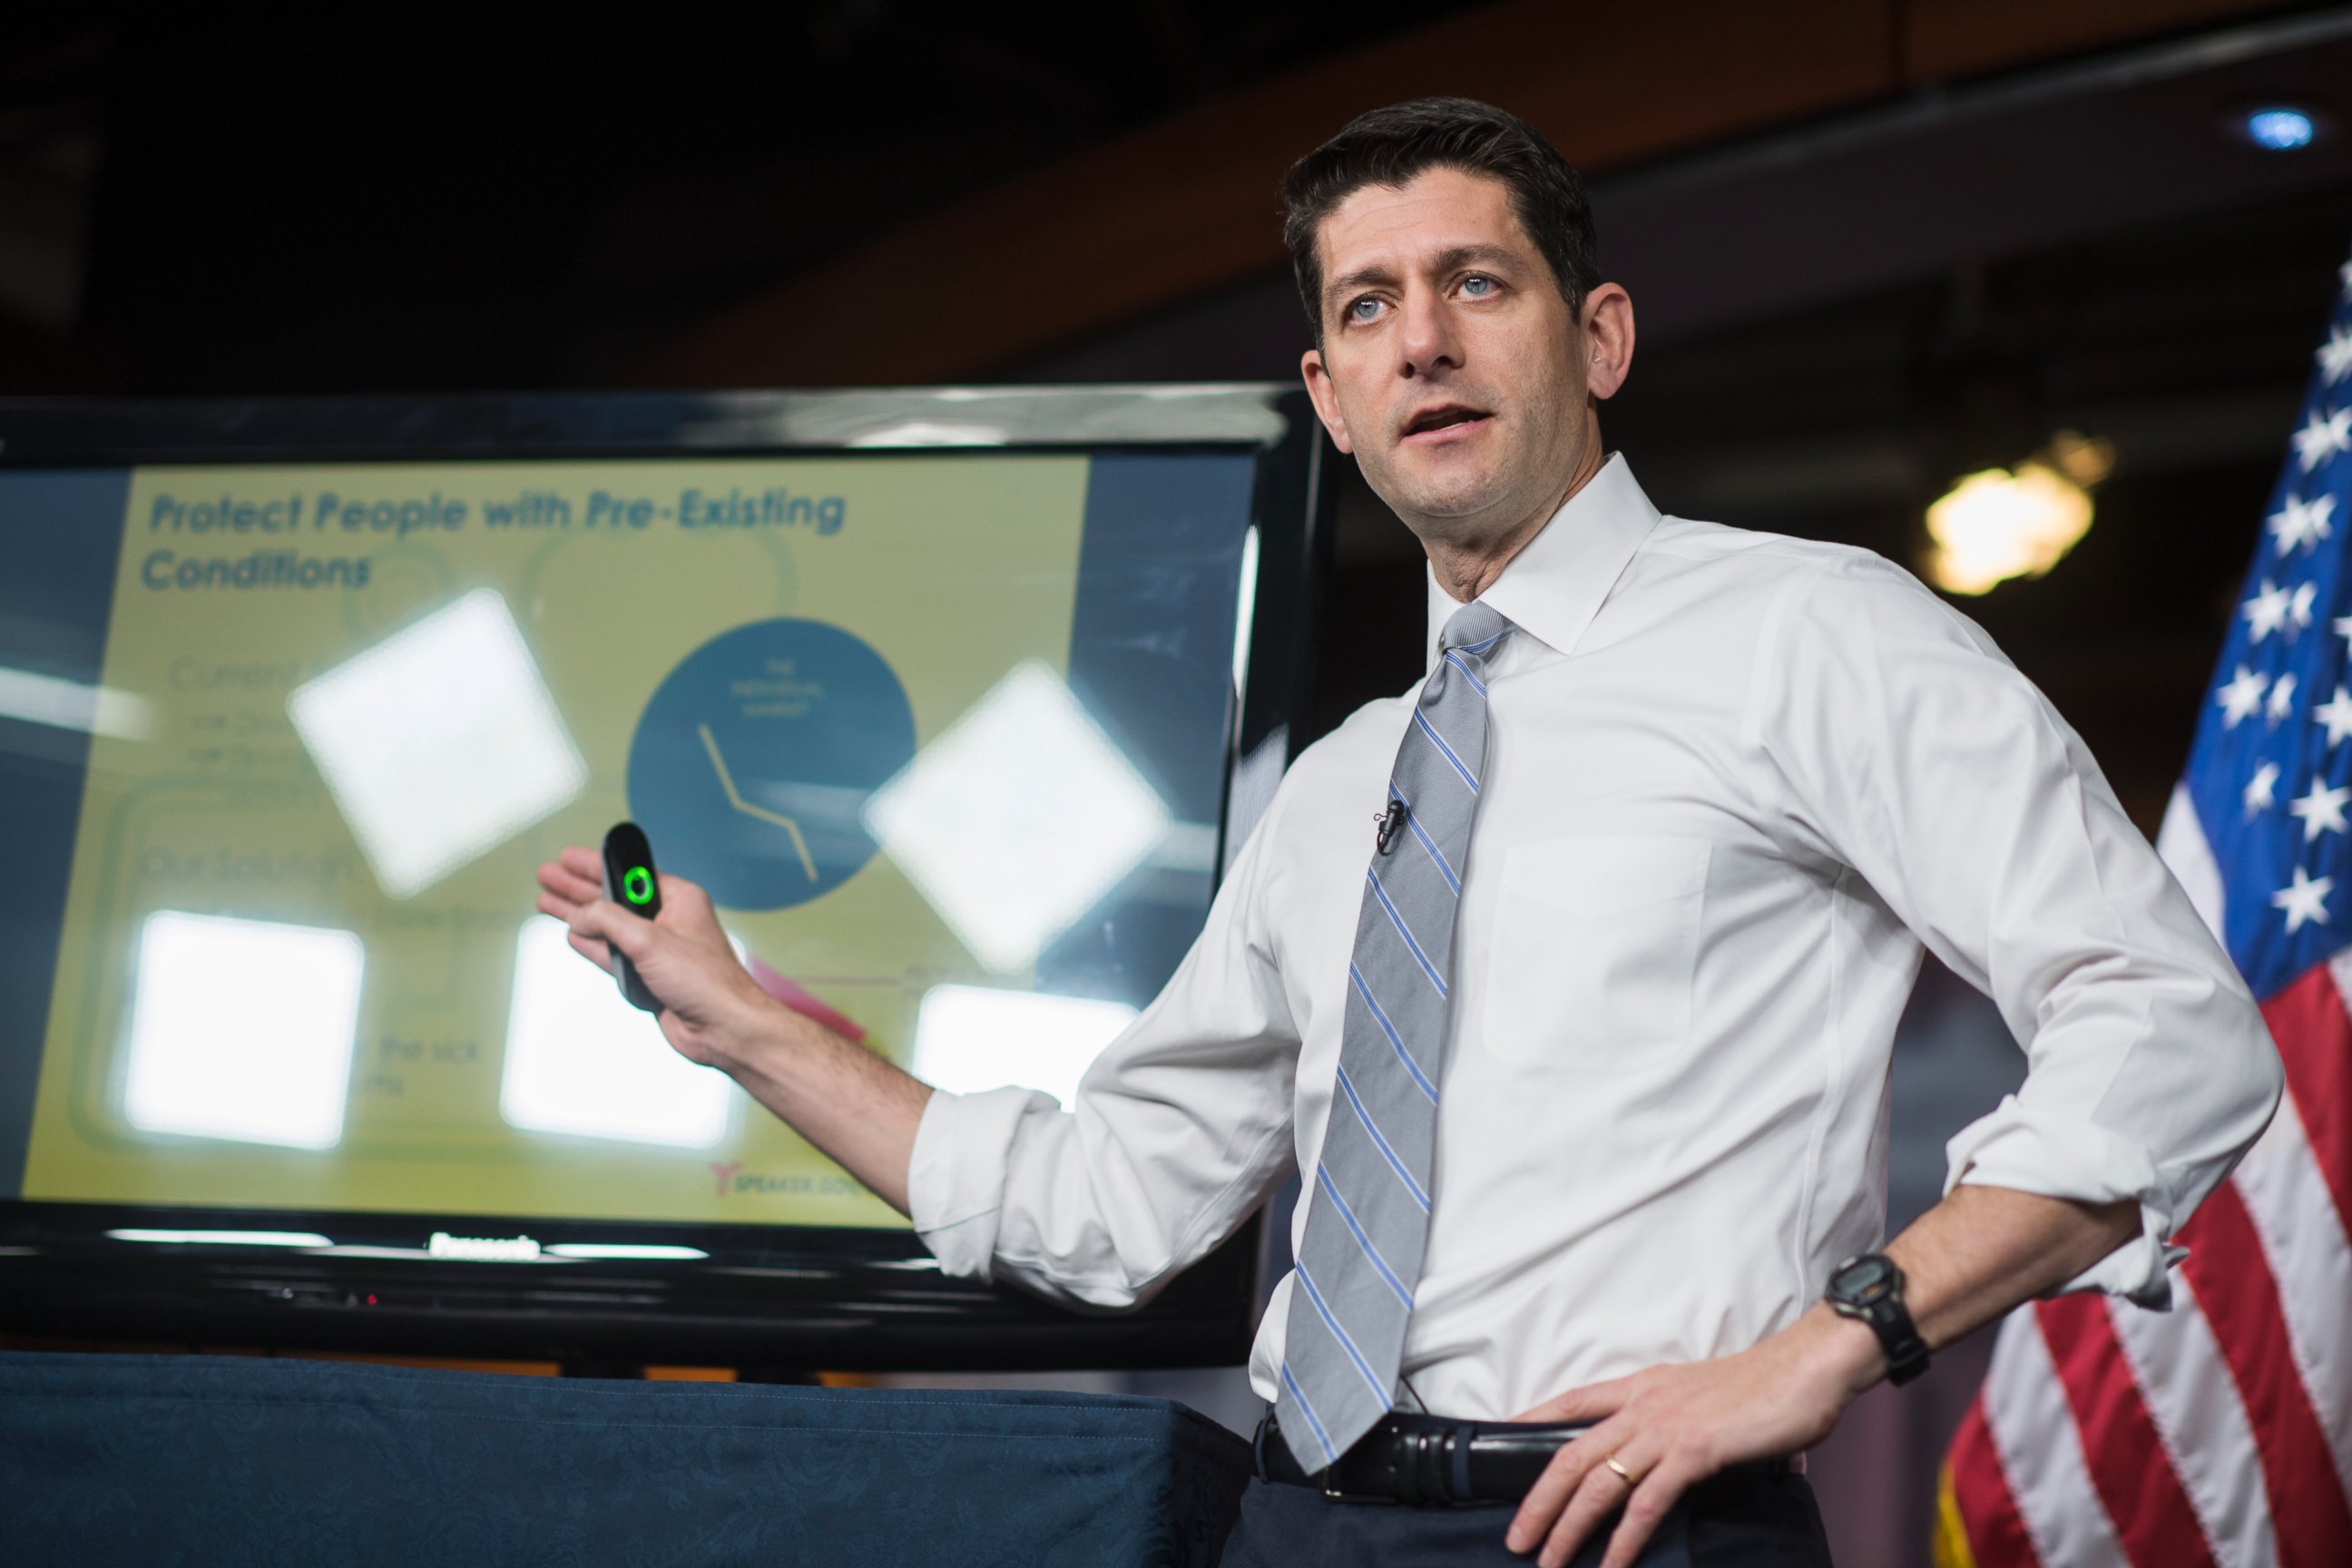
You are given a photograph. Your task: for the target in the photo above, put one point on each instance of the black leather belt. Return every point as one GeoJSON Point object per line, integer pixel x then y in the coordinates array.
{"type": "Point", "coordinates": [1432, 1460]}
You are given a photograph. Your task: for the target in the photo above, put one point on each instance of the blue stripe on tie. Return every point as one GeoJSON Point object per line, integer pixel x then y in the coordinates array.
{"type": "Point", "coordinates": [1330, 1454]}
{"type": "Point", "coordinates": [1467, 776]}
{"type": "Point", "coordinates": [1398, 921]}
{"type": "Point", "coordinates": [1341, 1334]}
{"type": "Point", "coordinates": [1362, 1240]}
{"type": "Point", "coordinates": [1410, 1186]}
{"type": "Point", "coordinates": [1490, 642]}
{"type": "Point", "coordinates": [1364, 989]}
{"type": "Point", "coordinates": [1427, 843]}
{"type": "Point", "coordinates": [1476, 685]}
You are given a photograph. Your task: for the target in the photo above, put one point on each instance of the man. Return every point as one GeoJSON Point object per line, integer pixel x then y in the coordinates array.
{"type": "Point", "coordinates": [1589, 1070]}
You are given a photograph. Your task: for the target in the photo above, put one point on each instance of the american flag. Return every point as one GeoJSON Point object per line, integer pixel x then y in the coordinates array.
{"type": "Point", "coordinates": [2221, 1432]}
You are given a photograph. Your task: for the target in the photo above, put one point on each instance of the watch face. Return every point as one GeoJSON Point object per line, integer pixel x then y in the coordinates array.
{"type": "Point", "coordinates": [1864, 1282]}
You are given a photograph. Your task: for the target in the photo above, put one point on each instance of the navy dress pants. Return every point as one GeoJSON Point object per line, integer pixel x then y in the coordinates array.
{"type": "Point", "coordinates": [1750, 1519]}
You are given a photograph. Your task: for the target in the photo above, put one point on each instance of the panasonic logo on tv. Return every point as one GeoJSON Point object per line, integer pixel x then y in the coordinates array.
{"type": "Point", "coordinates": [484, 1249]}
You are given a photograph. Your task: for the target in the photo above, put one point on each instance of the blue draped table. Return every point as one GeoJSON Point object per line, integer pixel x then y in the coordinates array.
{"type": "Point", "coordinates": [154, 1461]}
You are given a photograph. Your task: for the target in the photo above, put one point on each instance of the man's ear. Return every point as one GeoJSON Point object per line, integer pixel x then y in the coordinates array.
{"type": "Point", "coordinates": [1317, 377]}
{"type": "Point", "coordinates": [1609, 328]}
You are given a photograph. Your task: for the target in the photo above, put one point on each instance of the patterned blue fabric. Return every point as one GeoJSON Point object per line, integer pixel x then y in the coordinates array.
{"type": "Point", "coordinates": [161, 1461]}
{"type": "Point", "coordinates": [1351, 1297]}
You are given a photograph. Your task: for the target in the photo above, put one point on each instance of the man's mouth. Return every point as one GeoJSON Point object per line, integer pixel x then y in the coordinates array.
{"type": "Point", "coordinates": [1444, 417]}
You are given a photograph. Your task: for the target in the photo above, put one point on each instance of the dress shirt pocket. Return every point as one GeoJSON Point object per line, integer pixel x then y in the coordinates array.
{"type": "Point", "coordinates": [1596, 939]}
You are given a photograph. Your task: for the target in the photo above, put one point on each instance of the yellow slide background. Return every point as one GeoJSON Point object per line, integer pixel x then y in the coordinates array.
{"type": "Point", "coordinates": [953, 567]}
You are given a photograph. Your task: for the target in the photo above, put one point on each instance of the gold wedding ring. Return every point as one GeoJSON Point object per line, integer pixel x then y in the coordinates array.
{"type": "Point", "coordinates": [1622, 1473]}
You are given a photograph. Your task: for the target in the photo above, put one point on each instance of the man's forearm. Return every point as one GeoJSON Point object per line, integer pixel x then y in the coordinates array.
{"type": "Point", "coordinates": [1982, 1250]}
{"type": "Point", "coordinates": [1966, 1261]}
{"type": "Point", "coordinates": [856, 1107]}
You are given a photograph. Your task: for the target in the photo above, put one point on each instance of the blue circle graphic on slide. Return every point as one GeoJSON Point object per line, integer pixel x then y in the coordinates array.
{"type": "Point", "coordinates": [755, 755]}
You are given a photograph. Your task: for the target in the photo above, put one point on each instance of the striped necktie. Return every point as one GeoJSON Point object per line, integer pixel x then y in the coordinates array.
{"type": "Point", "coordinates": [1368, 1217]}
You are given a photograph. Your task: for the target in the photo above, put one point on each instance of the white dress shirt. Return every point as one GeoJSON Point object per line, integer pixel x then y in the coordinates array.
{"type": "Point", "coordinates": [1733, 783]}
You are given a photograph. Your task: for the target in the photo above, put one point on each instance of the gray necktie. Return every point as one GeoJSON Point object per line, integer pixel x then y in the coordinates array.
{"type": "Point", "coordinates": [1369, 1218]}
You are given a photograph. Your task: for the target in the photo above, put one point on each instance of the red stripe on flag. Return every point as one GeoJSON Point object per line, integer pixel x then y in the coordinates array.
{"type": "Point", "coordinates": [1996, 1529]}
{"type": "Point", "coordinates": [2235, 1288]}
{"type": "Point", "coordinates": [2314, 1039]}
{"type": "Point", "coordinates": [2130, 1467]}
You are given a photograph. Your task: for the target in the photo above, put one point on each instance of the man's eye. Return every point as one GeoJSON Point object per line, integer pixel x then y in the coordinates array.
{"type": "Point", "coordinates": [1363, 309]}
{"type": "Point", "coordinates": [1478, 288]}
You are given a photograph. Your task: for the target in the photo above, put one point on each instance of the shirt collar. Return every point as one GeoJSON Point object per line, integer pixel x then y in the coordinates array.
{"type": "Point", "coordinates": [1555, 585]}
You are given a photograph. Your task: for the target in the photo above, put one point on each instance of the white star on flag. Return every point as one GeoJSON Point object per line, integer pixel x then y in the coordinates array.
{"type": "Point", "coordinates": [2322, 810]}
{"type": "Point", "coordinates": [2335, 355]}
{"type": "Point", "coordinates": [2320, 439]}
{"type": "Point", "coordinates": [2242, 696]}
{"type": "Point", "coordinates": [2282, 698]}
{"type": "Point", "coordinates": [2298, 609]}
{"type": "Point", "coordinates": [2303, 523]}
{"type": "Point", "coordinates": [2305, 900]}
{"type": "Point", "coordinates": [2343, 625]}
{"type": "Point", "coordinates": [2336, 714]}
{"type": "Point", "coordinates": [2261, 791]}
{"type": "Point", "coordinates": [2266, 611]}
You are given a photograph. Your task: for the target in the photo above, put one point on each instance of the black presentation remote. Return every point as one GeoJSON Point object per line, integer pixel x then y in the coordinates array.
{"type": "Point", "coordinates": [631, 882]}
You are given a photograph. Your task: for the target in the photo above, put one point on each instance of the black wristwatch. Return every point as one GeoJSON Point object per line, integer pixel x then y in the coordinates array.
{"type": "Point", "coordinates": [1870, 1288]}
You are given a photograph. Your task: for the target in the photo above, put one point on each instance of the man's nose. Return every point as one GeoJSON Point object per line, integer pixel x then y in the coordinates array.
{"type": "Point", "coordinates": [1428, 339]}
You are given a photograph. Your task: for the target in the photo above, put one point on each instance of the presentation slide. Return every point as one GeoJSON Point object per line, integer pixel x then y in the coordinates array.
{"type": "Point", "coordinates": [343, 713]}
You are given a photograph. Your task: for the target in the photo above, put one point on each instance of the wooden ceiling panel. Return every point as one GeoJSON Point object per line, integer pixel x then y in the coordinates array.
{"type": "Point", "coordinates": [1946, 38]}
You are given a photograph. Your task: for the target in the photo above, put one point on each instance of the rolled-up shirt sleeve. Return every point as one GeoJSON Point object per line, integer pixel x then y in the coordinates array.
{"type": "Point", "coordinates": [1183, 1126]}
{"type": "Point", "coordinates": [1917, 756]}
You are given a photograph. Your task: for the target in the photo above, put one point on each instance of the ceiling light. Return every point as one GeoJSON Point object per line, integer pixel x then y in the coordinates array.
{"type": "Point", "coordinates": [243, 1029]}
{"type": "Point", "coordinates": [439, 742]}
{"type": "Point", "coordinates": [973, 1037]}
{"type": "Point", "coordinates": [2279, 127]}
{"type": "Point", "coordinates": [581, 1060]}
{"type": "Point", "coordinates": [70, 705]}
{"type": "Point", "coordinates": [223, 1238]}
{"type": "Point", "coordinates": [1998, 524]}
{"type": "Point", "coordinates": [1246, 614]}
{"type": "Point", "coordinates": [1017, 818]}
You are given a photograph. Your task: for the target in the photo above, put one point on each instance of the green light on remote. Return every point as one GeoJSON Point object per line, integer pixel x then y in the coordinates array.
{"type": "Point", "coordinates": [638, 884]}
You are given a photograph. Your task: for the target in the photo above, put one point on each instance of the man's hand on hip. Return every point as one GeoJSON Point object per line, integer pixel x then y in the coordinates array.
{"type": "Point", "coordinates": [1972, 1257]}
{"type": "Point", "coordinates": [1671, 1426]}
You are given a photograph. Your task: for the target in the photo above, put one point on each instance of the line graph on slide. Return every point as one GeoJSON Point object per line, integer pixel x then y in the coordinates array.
{"type": "Point", "coordinates": [753, 759]}
{"type": "Point", "coordinates": [735, 799]}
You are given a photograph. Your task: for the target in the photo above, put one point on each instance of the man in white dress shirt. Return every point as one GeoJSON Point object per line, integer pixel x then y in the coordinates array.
{"type": "Point", "coordinates": [1733, 786]}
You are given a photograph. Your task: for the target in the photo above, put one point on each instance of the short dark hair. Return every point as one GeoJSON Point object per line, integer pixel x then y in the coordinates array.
{"type": "Point", "coordinates": [1390, 146]}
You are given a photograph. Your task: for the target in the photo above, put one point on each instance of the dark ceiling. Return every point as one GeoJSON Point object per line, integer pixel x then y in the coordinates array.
{"type": "Point", "coordinates": [533, 196]}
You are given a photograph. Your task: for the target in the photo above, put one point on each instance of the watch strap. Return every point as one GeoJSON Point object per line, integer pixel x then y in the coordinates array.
{"type": "Point", "coordinates": [1884, 1310]}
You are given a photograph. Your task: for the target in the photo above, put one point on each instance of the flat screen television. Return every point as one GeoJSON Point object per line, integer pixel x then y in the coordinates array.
{"type": "Point", "coordinates": [958, 701]}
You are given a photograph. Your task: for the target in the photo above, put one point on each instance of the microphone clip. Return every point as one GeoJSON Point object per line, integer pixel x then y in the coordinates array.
{"type": "Point", "coordinates": [1389, 824]}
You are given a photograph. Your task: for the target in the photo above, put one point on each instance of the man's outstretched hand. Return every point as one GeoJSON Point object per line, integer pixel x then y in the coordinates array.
{"type": "Point", "coordinates": [1672, 1426]}
{"type": "Point", "coordinates": [709, 1002]}
{"type": "Point", "coordinates": [847, 1101]}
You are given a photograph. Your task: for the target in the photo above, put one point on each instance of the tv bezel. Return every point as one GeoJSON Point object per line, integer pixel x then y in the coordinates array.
{"type": "Point", "coordinates": [770, 1299]}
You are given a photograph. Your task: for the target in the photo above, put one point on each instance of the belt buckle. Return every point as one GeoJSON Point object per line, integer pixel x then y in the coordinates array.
{"type": "Point", "coordinates": [1332, 1492]}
